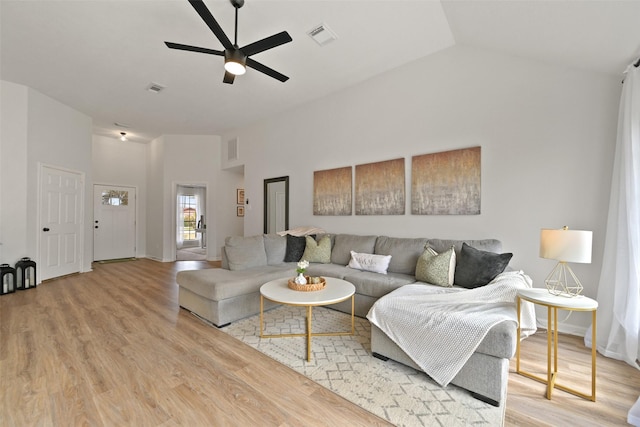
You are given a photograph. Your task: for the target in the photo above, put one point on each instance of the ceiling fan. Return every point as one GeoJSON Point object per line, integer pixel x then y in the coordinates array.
{"type": "Point", "coordinates": [236, 59]}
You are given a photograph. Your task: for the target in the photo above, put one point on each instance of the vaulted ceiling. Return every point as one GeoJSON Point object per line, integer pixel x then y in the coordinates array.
{"type": "Point", "coordinates": [100, 56]}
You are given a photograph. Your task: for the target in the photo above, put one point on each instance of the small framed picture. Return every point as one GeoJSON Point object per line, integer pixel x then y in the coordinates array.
{"type": "Point", "coordinates": [240, 196]}
{"type": "Point", "coordinates": [240, 210]}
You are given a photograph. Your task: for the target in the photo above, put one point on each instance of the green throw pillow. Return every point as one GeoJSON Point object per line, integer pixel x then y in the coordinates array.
{"type": "Point", "coordinates": [436, 269]}
{"type": "Point", "coordinates": [318, 251]}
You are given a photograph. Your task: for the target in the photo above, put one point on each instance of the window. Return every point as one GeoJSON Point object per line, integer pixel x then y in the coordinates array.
{"type": "Point", "coordinates": [115, 198]}
{"type": "Point", "coordinates": [187, 206]}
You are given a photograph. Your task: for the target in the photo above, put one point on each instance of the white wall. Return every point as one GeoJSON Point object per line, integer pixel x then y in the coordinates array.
{"type": "Point", "coordinates": [547, 136]}
{"type": "Point", "coordinates": [39, 131]}
{"type": "Point", "coordinates": [186, 160]}
{"type": "Point", "coordinates": [124, 164]}
{"type": "Point", "coordinates": [228, 223]}
{"type": "Point", "coordinates": [155, 199]}
{"type": "Point", "coordinates": [13, 172]}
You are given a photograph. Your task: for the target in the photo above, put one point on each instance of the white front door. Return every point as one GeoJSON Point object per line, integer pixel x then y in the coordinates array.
{"type": "Point", "coordinates": [61, 201]}
{"type": "Point", "coordinates": [114, 222]}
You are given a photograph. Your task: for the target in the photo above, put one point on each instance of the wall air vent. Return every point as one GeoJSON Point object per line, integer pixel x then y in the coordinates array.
{"type": "Point", "coordinates": [155, 88]}
{"type": "Point", "coordinates": [322, 34]}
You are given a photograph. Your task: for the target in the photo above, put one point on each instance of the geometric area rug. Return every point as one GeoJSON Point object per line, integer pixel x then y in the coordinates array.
{"type": "Point", "coordinates": [345, 365]}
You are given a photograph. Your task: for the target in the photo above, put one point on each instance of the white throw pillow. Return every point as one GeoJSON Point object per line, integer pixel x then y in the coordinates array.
{"type": "Point", "coordinates": [370, 262]}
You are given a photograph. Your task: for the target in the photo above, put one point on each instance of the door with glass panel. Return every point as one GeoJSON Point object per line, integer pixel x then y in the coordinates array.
{"type": "Point", "coordinates": [114, 222]}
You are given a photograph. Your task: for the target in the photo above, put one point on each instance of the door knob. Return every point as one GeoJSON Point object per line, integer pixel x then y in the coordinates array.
{"type": "Point", "coordinates": [45, 229]}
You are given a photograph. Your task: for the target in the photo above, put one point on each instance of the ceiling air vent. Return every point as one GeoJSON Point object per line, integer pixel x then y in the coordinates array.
{"type": "Point", "coordinates": [155, 88]}
{"type": "Point", "coordinates": [322, 34]}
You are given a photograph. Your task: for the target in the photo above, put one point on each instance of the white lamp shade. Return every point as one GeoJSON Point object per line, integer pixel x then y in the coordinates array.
{"type": "Point", "coordinates": [566, 245]}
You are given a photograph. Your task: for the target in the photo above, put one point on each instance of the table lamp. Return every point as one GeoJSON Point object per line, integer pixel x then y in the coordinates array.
{"type": "Point", "coordinates": [565, 246]}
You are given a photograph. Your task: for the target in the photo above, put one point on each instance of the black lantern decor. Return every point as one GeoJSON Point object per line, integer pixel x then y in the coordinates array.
{"type": "Point", "coordinates": [26, 274]}
{"type": "Point", "coordinates": [7, 279]}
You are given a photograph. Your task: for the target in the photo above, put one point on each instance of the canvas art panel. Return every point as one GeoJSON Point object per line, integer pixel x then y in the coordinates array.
{"type": "Point", "coordinates": [332, 191]}
{"type": "Point", "coordinates": [446, 183]}
{"type": "Point", "coordinates": [380, 188]}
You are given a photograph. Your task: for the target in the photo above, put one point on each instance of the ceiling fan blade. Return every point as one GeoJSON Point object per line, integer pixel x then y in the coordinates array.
{"type": "Point", "coordinates": [211, 22]}
{"type": "Point", "coordinates": [193, 48]}
{"type": "Point", "coordinates": [228, 78]}
{"type": "Point", "coordinates": [266, 43]}
{"type": "Point", "coordinates": [266, 70]}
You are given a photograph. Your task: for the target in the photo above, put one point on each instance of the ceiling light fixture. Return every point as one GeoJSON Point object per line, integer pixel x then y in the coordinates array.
{"type": "Point", "coordinates": [123, 136]}
{"type": "Point", "coordinates": [235, 62]}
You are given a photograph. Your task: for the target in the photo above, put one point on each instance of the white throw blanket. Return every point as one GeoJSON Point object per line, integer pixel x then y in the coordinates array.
{"type": "Point", "coordinates": [440, 328]}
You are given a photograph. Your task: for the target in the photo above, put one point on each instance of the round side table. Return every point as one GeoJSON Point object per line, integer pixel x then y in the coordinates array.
{"type": "Point", "coordinates": [554, 303]}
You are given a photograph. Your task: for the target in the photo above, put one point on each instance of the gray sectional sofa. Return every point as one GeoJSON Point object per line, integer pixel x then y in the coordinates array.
{"type": "Point", "coordinates": [232, 292]}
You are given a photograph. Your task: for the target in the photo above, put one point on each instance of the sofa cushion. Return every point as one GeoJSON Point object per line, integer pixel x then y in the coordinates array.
{"type": "Point", "coordinates": [331, 270]}
{"type": "Point", "coordinates": [345, 243]}
{"type": "Point", "coordinates": [275, 246]}
{"type": "Point", "coordinates": [370, 262]}
{"type": "Point", "coordinates": [476, 268]}
{"type": "Point", "coordinates": [218, 284]}
{"type": "Point", "coordinates": [435, 268]}
{"type": "Point", "coordinates": [295, 248]}
{"type": "Point", "coordinates": [245, 252]}
{"type": "Point", "coordinates": [405, 252]}
{"type": "Point", "coordinates": [376, 285]}
{"type": "Point", "coordinates": [318, 251]}
{"type": "Point", "coordinates": [490, 245]}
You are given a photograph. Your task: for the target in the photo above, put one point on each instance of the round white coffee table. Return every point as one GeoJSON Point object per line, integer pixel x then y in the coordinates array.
{"type": "Point", "coordinates": [278, 291]}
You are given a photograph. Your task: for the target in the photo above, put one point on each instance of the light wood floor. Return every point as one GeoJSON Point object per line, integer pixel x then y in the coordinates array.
{"type": "Point", "coordinates": [112, 347]}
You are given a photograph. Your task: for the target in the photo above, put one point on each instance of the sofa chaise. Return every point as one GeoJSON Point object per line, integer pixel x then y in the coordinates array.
{"type": "Point", "coordinates": [232, 292]}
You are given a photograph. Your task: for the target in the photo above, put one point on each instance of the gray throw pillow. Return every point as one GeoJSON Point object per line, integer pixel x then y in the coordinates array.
{"type": "Point", "coordinates": [477, 268]}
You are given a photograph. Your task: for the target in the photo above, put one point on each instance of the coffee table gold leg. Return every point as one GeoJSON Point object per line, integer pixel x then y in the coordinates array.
{"type": "Point", "coordinates": [353, 319]}
{"type": "Point", "coordinates": [309, 314]}
{"type": "Point", "coordinates": [261, 314]}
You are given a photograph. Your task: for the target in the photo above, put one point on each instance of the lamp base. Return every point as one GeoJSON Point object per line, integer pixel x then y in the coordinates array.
{"type": "Point", "coordinates": [557, 283]}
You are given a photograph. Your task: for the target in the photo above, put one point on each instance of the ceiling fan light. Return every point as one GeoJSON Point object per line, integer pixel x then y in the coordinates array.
{"type": "Point", "coordinates": [234, 62]}
{"type": "Point", "coordinates": [235, 67]}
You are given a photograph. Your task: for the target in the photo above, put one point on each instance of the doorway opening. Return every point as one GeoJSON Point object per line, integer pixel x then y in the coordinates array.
{"type": "Point", "coordinates": [191, 227]}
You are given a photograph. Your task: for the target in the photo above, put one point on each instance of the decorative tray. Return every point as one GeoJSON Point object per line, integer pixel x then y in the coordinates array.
{"type": "Point", "coordinates": [309, 286]}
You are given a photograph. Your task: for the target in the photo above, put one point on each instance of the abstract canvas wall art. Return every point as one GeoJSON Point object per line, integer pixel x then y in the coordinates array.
{"type": "Point", "coordinates": [446, 183]}
{"type": "Point", "coordinates": [380, 188]}
{"type": "Point", "coordinates": [332, 191]}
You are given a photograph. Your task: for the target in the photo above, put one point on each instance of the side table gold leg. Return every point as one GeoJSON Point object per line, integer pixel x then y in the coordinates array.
{"type": "Point", "coordinates": [593, 357]}
{"type": "Point", "coordinates": [549, 334]}
{"type": "Point", "coordinates": [518, 336]}
{"type": "Point", "coordinates": [555, 340]}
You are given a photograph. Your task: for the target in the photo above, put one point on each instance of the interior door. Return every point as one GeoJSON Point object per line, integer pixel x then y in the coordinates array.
{"type": "Point", "coordinates": [61, 201]}
{"type": "Point", "coordinates": [114, 222]}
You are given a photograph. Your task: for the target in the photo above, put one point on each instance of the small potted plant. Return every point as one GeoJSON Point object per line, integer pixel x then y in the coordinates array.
{"type": "Point", "coordinates": [302, 267]}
